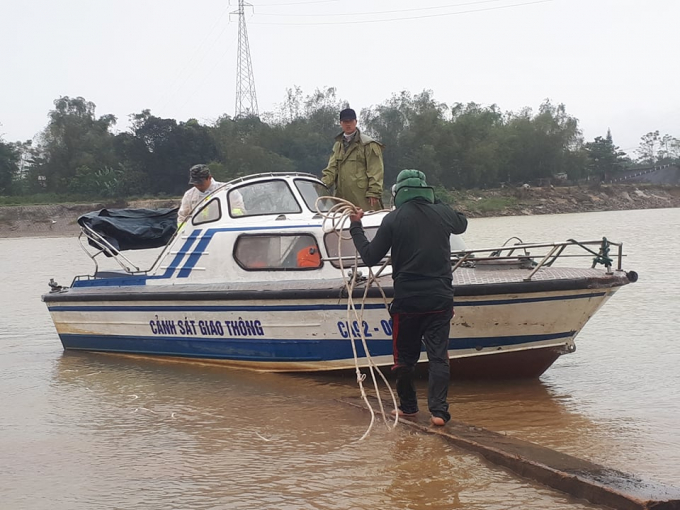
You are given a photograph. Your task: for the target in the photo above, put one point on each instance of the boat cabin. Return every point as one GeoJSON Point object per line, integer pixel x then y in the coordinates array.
{"type": "Point", "coordinates": [256, 228]}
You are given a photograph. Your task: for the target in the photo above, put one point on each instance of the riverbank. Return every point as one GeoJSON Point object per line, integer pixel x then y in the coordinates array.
{"type": "Point", "coordinates": [57, 220]}
{"type": "Point", "coordinates": [527, 200]}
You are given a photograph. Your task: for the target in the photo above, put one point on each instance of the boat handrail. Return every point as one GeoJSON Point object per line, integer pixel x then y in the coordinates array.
{"type": "Point", "coordinates": [245, 178]}
{"type": "Point", "coordinates": [106, 248]}
{"type": "Point", "coordinates": [555, 250]}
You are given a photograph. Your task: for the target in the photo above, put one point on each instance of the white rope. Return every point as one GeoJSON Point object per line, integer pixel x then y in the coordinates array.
{"type": "Point", "coordinates": [338, 217]}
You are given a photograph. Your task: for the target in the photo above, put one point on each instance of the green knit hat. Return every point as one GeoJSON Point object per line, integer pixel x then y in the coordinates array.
{"type": "Point", "coordinates": [411, 184]}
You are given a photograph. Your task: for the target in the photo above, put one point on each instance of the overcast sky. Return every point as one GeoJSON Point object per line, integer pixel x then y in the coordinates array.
{"type": "Point", "coordinates": [613, 63]}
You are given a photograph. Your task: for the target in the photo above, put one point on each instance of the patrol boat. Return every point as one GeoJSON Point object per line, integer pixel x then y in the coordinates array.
{"type": "Point", "coordinates": [266, 288]}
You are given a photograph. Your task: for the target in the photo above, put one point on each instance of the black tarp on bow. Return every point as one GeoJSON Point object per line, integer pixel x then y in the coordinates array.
{"type": "Point", "coordinates": [131, 229]}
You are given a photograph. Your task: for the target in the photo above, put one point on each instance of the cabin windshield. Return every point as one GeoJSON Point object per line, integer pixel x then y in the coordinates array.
{"type": "Point", "coordinates": [311, 191]}
{"type": "Point", "coordinates": [262, 197]}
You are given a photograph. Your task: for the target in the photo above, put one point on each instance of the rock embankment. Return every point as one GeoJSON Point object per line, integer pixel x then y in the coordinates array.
{"type": "Point", "coordinates": [60, 219]}
{"type": "Point", "coordinates": [571, 199]}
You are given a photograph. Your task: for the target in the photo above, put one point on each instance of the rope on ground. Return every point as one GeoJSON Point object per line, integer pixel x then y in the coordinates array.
{"type": "Point", "coordinates": [336, 220]}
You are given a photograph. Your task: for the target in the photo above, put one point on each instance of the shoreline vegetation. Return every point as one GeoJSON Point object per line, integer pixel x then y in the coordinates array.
{"type": "Point", "coordinates": [481, 159]}
{"type": "Point", "coordinates": [462, 146]}
{"type": "Point", "coordinates": [59, 219]}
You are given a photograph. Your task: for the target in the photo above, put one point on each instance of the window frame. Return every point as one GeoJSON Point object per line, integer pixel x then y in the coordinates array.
{"type": "Point", "coordinates": [197, 213]}
{"type": "Point", "coordinates": [247, 185]}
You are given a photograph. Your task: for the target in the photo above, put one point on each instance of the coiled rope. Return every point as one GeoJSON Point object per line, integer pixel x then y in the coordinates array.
{"type": "Point", "coordinates": [336, 220]}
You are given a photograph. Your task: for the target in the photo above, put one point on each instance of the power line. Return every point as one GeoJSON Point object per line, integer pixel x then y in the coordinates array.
{"type": "Point", "coordinates": [182, 76]}
{"type": "Point", "coordinates": [201, 83]}
{"type": "Point", "coordinates": [187, 77]}
{"type": "Point", "coordinates": [408, 18]}
{"type": "Point", "coordinates": [300, 3]}
{"type": "Point", "coordinates": [417, 9]}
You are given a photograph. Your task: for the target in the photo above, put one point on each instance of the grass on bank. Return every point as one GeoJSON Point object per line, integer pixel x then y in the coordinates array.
{"type": "Point", "coordinates": [492, 204]}
{"type": "Point", "coordinates": [473, 201]}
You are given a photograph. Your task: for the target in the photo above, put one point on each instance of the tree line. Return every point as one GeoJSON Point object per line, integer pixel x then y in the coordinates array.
{"type": "Point", "coordinates": [458, 146]}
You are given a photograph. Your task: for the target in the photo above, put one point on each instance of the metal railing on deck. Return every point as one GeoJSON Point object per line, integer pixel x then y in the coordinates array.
{"type": "Point", "coordinates": [519, 255]}
{"type": "Point", "coordinates": [103, 246]}
{"type": "Point", "coordinates": [550, 252]}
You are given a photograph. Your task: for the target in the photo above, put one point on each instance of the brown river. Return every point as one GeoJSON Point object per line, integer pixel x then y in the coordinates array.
{"type": "Point", "coordinates": [92, 431]}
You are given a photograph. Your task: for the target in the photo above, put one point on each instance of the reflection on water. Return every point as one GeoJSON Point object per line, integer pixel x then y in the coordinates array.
{"type": "Point", "coordinates": [285, 438]}
{"type": "Point", "coordinates": [83, 431]}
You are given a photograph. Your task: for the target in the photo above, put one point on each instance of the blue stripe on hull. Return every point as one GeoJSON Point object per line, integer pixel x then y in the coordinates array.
{"type": "Point", "coordinates": [293, 308]}
{"type": "Point", "coordinates": [271, 350]}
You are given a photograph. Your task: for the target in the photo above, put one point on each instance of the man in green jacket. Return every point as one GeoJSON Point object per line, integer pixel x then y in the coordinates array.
{"type": "Point", "coordinates": [355, 167]}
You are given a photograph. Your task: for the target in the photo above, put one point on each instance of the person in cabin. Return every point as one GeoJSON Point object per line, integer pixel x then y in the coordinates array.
{"type": "Point", "coordinates": [418, 232]}
{"type": "Point", "coordinates": [355, 167]}
{"type": "Point", "coordinates": [203, 185]}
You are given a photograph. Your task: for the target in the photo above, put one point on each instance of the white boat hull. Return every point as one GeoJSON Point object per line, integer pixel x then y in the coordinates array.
{"type": "Point", "coordinates": [313, 335]}
{"type": "Point", "coordinates": [265, 289]}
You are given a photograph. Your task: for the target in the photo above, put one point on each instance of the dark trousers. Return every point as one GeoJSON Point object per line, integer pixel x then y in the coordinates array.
{"type": "Point", "coordinates": [409, 332]}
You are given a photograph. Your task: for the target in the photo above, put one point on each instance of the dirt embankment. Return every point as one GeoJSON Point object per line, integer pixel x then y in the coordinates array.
{"type": "Point", "coordinates": [567, 199]}
{"type": "Point", "coordinates": [60, 219]}
{"type": "Point", "coordinates": [56, 220]}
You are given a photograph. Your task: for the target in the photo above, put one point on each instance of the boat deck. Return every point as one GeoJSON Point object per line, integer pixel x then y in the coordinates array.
{"type": "Point", "coordinates": [466, 281]}
{"type": "Point", "coordinates": [498, 274]}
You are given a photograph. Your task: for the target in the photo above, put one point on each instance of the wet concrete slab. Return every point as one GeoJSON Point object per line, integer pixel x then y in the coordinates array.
{"type": "Point", "coordinates": [580, 478]}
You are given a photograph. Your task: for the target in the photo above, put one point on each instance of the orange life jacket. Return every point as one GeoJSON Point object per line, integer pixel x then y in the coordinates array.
{"type": "Point", "coordinates": [309, 257]}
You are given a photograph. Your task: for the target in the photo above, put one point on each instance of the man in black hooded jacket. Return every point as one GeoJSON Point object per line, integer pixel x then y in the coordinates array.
{"type": "Point", "coordinates": [418, 232]}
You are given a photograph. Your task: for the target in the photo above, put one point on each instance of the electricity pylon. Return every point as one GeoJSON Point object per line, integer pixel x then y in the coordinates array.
{"type": "Point", "coordinates": [246, 99]}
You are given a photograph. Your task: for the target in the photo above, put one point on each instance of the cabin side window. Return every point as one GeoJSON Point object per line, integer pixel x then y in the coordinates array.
{"type": "Point", "coordinates": [347, 248]}
{"type": "Point", "coordinates": [212, 211]}
{"type": "Point", "coordinates": [263, 197]}
{"type": "Point", "coordinates": [286, 252]}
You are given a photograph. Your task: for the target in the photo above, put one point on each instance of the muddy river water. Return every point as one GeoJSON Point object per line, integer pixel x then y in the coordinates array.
{"type": "Point", "coordinates": [90, 431]}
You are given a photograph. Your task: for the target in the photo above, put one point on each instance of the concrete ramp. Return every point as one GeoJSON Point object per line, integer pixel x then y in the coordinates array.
{"type": "Point", "coordinates": [580, 478]}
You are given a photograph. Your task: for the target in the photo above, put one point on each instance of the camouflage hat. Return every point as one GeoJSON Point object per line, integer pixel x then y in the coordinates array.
{"type": "Point", "coordinates": [198, 173]}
